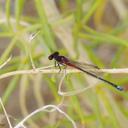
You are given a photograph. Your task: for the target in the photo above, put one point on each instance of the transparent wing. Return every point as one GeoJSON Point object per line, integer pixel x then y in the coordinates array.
{"type": "Point", "coordinates": [84, 65]}
{"type": "Point", "coordinates": [88, 67]}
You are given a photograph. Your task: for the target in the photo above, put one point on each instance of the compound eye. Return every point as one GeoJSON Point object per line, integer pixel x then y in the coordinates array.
{"type": "Point", "coordinates": [53, 55]}
{"type": "Point", "coordinates": [50, 57]}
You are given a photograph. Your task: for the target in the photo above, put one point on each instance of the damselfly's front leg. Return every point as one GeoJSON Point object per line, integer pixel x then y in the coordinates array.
{"type": "Point", "coordinates": [57, 65]}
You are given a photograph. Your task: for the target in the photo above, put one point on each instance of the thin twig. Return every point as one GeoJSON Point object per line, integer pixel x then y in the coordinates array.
{"type": "Point", "coordinates": [32, 36]}
{"type": "Point", "coordinates": [10, 126]}
{"type": "Point", "coordinates": [1, 66]}
{"type": "Point", "coordinates": [45, 70]}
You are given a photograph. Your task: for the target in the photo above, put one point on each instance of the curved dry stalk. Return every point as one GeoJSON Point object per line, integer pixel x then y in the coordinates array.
{"type": "Point", "coordinates": [44, 109]}
{"type": "Point", "coordinates": [71, 93]}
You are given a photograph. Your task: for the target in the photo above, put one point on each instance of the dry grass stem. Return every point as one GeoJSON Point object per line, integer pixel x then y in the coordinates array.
{"type": "Point", "coordinates": [48, 70]}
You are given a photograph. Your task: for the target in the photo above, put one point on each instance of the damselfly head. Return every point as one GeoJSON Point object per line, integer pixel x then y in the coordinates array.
{"type": "Point", "coordinates": [53, 55]}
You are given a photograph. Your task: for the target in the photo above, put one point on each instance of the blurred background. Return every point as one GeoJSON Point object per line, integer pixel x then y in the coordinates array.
{"type": "Point", "coordinates": [92, 31]}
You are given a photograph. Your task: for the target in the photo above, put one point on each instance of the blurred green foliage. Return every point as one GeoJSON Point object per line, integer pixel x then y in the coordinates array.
{"type": "Point", "coordinates": [82, 29]}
